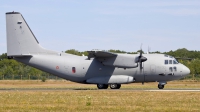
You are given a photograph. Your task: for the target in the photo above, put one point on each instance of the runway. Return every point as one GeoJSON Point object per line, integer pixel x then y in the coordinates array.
{"type": "Point", "coordinates": [177, 90]}
{"type": "Point", "coordinates": [95, 89]}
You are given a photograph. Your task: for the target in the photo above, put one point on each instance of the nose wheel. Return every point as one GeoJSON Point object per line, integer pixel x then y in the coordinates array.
{"type": "Point", "coordinates": [160, 86]}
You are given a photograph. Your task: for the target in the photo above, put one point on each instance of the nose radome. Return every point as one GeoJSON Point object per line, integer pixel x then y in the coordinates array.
{"type": "Point", "coordinates": [186, 70]}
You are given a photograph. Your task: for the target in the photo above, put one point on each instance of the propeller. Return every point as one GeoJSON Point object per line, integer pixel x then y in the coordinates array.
{"type": "Point", "coordinates": [141, 59]}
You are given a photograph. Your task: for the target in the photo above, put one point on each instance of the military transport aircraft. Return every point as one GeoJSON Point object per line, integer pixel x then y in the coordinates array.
{"type": "Point", "coordinates": [99, 67]}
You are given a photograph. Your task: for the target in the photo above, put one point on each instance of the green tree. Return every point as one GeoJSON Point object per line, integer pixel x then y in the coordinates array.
{"type": "Point", "coordinates": [8, 72]}
{"type": "Point", "coordinates": [3, 56]}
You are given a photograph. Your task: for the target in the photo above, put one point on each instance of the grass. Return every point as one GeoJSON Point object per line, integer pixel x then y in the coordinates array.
{"type": "Point", "coordinates": [96, 100]}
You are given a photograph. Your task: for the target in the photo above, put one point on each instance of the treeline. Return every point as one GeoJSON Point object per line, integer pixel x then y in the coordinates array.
{"type": "Point", "coordinates": [184, 54]}
{"type": "Point", "coordinates": [11, 69]}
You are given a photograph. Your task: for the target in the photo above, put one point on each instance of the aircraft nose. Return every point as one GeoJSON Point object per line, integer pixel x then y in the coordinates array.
{"type": "Point", "coordinates": [186, 70]}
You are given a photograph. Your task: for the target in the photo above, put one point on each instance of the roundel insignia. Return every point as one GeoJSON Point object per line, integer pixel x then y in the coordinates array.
{"type": "Point", "coordinates": [57, 67]}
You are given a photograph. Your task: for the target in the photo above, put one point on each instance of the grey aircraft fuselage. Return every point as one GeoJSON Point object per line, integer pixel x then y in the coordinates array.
{"type": "Point", "coordinates": [154, 69]}
{"type": "Point", "coordinates": [99, 67]}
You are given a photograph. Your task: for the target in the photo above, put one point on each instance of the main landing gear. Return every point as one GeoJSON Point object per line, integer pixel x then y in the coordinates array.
{"type": "Point", "coordinates": [102, 86]}
{"type": "Point", "coordinates": [105, 86]}
{"type": "Point", "coordinates": [115, 86]}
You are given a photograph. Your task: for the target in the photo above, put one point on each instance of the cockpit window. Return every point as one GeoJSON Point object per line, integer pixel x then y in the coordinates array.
{"type": "Point", "coordinates": [170, 61]}
{"type": "Point", "coordinates": [166, 55]}
{"type": "Point", "coordinates": [166, 62]}
{"type": "Point", "coordinates": [175, 62]}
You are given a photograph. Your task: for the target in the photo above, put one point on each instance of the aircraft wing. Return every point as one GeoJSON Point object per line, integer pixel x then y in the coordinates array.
{"type": "Point", "coordinates": [100, 54]}
{"type": "Point", "coordinates": [113, 59]}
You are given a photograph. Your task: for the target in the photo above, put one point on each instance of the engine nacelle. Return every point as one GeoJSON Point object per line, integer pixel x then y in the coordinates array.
{"type": "Point", "coordinates": [121, 61]}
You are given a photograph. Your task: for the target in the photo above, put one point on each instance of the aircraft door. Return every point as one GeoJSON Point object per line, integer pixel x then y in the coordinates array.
{"type": "Point", "coordinates": [162, 70]}
{"type": "Point", "coordinates": [66, 69]}
{"type": "Point", "coordinates": [84, 67]}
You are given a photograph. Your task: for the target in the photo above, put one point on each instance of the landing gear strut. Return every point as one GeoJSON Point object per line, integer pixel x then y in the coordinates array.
{"type": "Point", "coordinates": [102, 86]}
{"type": "Point", "coordinates": [115, 86]}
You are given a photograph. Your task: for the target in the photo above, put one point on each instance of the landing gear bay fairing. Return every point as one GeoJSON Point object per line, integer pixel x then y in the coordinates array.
{"type": "Point", "coordinates": [105, 69]}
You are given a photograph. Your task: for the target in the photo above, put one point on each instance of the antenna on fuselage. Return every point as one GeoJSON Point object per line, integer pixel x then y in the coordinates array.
{"type": "Point", "coordinates": [149, 48]}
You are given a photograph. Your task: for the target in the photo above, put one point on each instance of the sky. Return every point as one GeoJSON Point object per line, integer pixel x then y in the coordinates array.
{"type": "Point", "coordinates": [108, 24]}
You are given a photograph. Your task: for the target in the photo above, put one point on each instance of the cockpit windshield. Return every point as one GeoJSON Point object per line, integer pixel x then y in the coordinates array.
{"type": "Point", "coordinates": [170, 60]}
{"type": "Point", "coordinates": [175, 61]}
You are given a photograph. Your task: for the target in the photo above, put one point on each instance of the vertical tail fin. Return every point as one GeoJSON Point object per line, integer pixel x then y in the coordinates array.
{"type": "Point", "coordinates": [20, 39]}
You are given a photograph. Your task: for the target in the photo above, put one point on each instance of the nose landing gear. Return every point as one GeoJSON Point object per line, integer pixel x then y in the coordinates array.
{"type": "Point", "coordinates": [161, 85]}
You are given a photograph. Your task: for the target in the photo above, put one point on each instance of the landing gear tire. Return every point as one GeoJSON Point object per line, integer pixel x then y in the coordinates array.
{"type": "Point", "coordinates": [118, 86]}
{"type": "Point", "coordinates": [115, 86]}
{"type": "Point", "coordinates": [102, 86]}
{"type": "Point", "coordinates": [161, 86]}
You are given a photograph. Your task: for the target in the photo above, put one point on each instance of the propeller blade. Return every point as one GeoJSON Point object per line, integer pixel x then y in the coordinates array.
{"type": "Point", "coordinates": [141, 50]}
{"type": "Point", "coordinates": [143, 75]}
{"type": "Point", "coordinates": [140, 53]}
{"type": "Point", "coordinates": [140, 66]}
{"type": "Point", "coordinates": [141, 59]}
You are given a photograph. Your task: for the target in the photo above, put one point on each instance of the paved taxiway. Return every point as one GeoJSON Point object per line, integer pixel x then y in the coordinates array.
{"type": "Point", "coordinates": [77, 89]}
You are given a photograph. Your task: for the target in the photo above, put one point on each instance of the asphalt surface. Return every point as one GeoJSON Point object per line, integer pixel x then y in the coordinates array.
{"type": "Point", "coordinates": [95, 89]}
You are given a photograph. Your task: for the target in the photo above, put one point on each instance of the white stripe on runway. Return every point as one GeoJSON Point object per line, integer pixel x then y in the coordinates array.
{"type": "Point", "coordinates": [192, 90]}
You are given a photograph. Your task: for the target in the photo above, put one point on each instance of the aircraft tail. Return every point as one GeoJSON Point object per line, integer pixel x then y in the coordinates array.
{"type": "Point", "coordinates": [20, 39]}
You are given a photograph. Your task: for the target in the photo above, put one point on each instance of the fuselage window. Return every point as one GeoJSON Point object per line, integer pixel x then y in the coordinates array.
{"type": "Point", "coordinates": [73, 70]}
{"type": "Point", "coordinates": [170, 61]}
{"type": "Point", "coordinates": [170, 69]}
{"type": "Point", "coordinates": [175, 69]}
{"type": "Point", "coordinates": [166, 62]}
